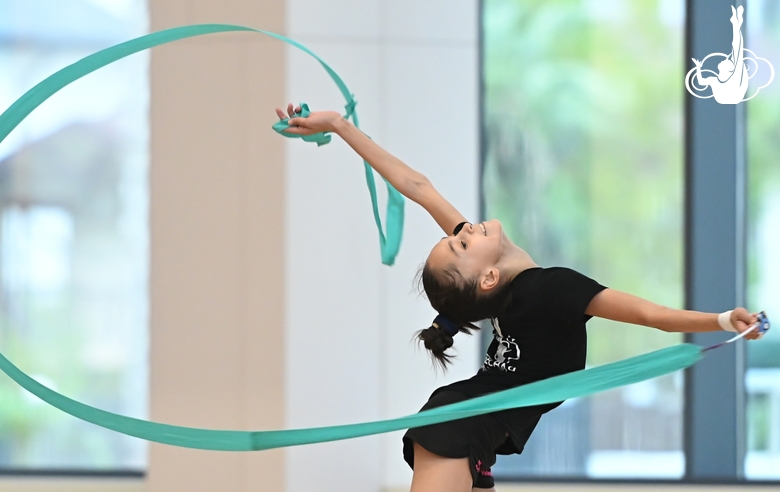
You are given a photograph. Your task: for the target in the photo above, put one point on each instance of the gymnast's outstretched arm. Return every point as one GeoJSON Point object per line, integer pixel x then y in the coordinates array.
{"type": "Point", "coordinates": [620, 306]}
{"type": "Point", "coordinates": [410, 183]}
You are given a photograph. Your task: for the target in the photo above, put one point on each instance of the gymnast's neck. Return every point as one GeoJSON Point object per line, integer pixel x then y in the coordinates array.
{"type": "Point", "coordinates": [514, 260]}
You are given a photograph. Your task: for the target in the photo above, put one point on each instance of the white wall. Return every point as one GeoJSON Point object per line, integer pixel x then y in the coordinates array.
{"type": "Point", "coordinates": [413, 69]}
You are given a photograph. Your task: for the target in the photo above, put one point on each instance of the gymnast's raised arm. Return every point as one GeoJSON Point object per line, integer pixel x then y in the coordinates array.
{"type": "Point", "coordinates": [620, 306]}
{"type": "Point", "coordinates": [410, 183]}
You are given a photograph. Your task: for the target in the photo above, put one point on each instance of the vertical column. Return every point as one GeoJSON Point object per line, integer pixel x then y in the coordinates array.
{"type": "Point", "coordinates": [715, 196]}
{"type": "Point", "coordinates": [217, 242]}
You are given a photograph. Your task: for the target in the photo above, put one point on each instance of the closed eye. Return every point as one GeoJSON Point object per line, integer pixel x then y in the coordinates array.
{"type": "Point", "coordinates": [463, 243]}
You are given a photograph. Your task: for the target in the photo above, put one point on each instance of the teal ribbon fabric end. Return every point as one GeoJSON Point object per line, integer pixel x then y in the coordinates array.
{"type": "Point", "coordinates": [281, 126]}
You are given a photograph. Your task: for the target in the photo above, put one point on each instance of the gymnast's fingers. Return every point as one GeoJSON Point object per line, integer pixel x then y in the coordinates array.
{"type": "Point", "coordinates": [742, 320]}
{"type": "Point", "coordinates": [295, 130]}
{"type": "Point", "coordinates": [280, 114]}
{"type": "Point", "coordinates": [299, 122]}
{"type": "Point", "coordinates": [298, 126]}
{"type": "Point", "coordinates": [756, 335]}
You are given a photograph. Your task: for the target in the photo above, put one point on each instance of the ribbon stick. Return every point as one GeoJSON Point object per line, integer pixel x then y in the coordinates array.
{"type": "Point", "coordinates": [762, 326]}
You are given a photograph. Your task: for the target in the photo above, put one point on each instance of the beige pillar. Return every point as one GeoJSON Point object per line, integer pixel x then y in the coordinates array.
{"type": "Point", "coordinates": [217, 252]}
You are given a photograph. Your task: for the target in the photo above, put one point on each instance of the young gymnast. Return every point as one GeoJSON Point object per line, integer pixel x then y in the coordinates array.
{"type": "Point", "coordinates": [538, 317]}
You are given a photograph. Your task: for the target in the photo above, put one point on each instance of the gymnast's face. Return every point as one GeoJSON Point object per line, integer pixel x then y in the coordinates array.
{"type": "Point", "coordinates": [475, 250]}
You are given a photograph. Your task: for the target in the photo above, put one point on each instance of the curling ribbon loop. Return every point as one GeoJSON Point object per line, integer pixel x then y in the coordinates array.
{"type": "Point", "coordinates": [11, 117]}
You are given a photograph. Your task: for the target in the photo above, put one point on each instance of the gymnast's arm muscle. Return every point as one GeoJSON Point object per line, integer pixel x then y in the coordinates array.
{"type": "Point", "coordinates": [620, 306]}
{"type": "Point", "coordinates": [410, 183]}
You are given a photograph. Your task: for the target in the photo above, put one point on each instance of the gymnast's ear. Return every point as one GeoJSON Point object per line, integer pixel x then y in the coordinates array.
{"type": "Point", "coordinates": [489, 279]}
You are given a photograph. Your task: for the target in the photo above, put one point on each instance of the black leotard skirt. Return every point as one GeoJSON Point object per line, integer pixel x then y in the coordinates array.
{"type": "Point", "coordinates": [478, 438]}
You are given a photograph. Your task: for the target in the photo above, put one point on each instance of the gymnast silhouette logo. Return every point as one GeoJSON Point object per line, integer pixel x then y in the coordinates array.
{"type": "Point", "coordinates": [507, 351]}
{"type": "Point", "coordinates": [730, 84]}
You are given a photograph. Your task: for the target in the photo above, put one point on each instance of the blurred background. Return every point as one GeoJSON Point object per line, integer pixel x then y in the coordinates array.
{"type": "Point", "coordinates": [164, 256]}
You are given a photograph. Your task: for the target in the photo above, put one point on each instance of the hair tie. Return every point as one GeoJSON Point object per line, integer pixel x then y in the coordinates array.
{"type": "Point", "coordinates": [458, 228]}
{"type": "Point", "coordinates": [449, 326]}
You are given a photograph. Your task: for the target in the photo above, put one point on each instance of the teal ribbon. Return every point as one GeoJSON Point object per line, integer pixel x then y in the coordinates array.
{"type": "Point", "coordinates": [556, 389]}
{"type": "Point", "coordinates": [572, 385]}
{"type": "Point", "coordinates": [389, 244]}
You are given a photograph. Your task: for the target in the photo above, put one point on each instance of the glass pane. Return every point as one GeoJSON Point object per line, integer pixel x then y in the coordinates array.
{"type": "Point", "coordinates": [762, 379]}
{"type": "Point", "coordinates": [584, 165]}
{"type": "Point", "coordinates": [74, 235]}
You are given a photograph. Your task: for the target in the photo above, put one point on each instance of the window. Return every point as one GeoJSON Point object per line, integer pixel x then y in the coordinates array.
{"type": "Point", "coordinates": [762, 377]}
{"type": "Point", "coordinates": [74, 236]}
{"type": "Point", "coordinates": [583, 127]}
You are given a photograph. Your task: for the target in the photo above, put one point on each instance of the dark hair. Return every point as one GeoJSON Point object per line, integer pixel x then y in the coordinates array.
{"type": "Point", "coordinates": [458, 299]}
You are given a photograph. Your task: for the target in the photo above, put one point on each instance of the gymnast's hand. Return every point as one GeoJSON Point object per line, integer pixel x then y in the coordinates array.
{"type": "Point", "coordinates": [316, 122]}
{"type": "Point", "coordinates": [742, 320]}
